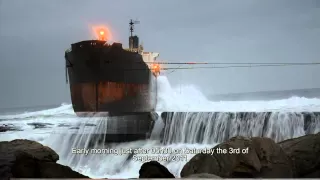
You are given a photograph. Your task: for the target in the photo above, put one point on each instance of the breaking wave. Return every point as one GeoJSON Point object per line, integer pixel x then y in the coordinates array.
{"type": "Point", "coordinates": [209, 123]}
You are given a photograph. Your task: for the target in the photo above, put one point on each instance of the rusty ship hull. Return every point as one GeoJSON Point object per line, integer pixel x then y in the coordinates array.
{"type": "Point", "coordinates": [105, 78]}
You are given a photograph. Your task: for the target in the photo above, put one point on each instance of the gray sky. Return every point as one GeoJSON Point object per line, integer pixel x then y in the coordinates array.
{"type": "Point", "coordinates": [35, 33]}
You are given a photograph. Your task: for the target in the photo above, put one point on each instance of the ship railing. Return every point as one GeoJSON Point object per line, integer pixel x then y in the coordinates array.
{"type": "Point", "coordinates": [132, 50]}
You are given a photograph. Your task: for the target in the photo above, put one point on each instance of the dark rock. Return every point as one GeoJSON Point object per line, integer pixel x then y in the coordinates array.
{"type": "Point", "coordinates": [89, 124]}
{"type": "Point", "coordinates": [54, 170]}
{"type": "Point", "coordinates": [203, 175]}
{"type": "Point", "coordinates": [165, 115]}
{"type": "Point", "coordinates": [28, 148]}
{"type": "Point", "coordinates": [265, 159]}
{"type": "Point", "coordinates": [37, 125]}
{"type": "Point", "coordinates": [305, 154]}
{"type": "Point", "coordinates": [74, 128]}
{"type": "Point", "coordinates": [154, 169]}
{"type": "Point", "coordinates": [29, 159]}
{"type": "Point", "coordinates": [315, 174]}
{"type": "Point", "coordinates": [64, 125]}
{"type": "Point", "coordinates": [8, 127]}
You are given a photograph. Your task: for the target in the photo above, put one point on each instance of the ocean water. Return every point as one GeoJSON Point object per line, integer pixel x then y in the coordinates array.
{"type": "Point", "coordinates": [267, 95]}
{"type": "Point", "coordinates": [61, 130]}
{"type": "Point", "coordinates": [21, 110]}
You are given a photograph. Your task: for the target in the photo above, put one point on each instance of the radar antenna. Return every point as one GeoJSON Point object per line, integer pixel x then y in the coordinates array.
{"type": "Point", "coordinates": [132, 23]}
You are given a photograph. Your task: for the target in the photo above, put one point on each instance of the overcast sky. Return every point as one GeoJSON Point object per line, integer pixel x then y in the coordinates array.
{"type": "Point", "coordinates": [35, 33]}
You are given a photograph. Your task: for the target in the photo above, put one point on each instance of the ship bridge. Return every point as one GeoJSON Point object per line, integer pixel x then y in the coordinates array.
{"type": "Point", "coordinates": [149, 58]}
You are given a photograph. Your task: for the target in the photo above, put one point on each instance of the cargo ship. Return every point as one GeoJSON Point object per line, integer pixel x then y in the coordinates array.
{"type": "Point", "coordinates": [106, 78]}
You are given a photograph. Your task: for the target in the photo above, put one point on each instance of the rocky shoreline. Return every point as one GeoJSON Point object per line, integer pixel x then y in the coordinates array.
{"type": "Point", "coordinates": [292, 158]}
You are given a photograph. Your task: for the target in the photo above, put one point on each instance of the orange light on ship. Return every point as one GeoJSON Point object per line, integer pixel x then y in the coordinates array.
{"type": "Point", "coordinates": [156, 69]}
{"type": "Point", "coordinates": [102, 35]}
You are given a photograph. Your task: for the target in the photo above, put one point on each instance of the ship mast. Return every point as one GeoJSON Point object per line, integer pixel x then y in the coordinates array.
{"type": "Point", "coordinates": [133, 39]}
{"type": "Point", "coordinates": [131, 27]}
